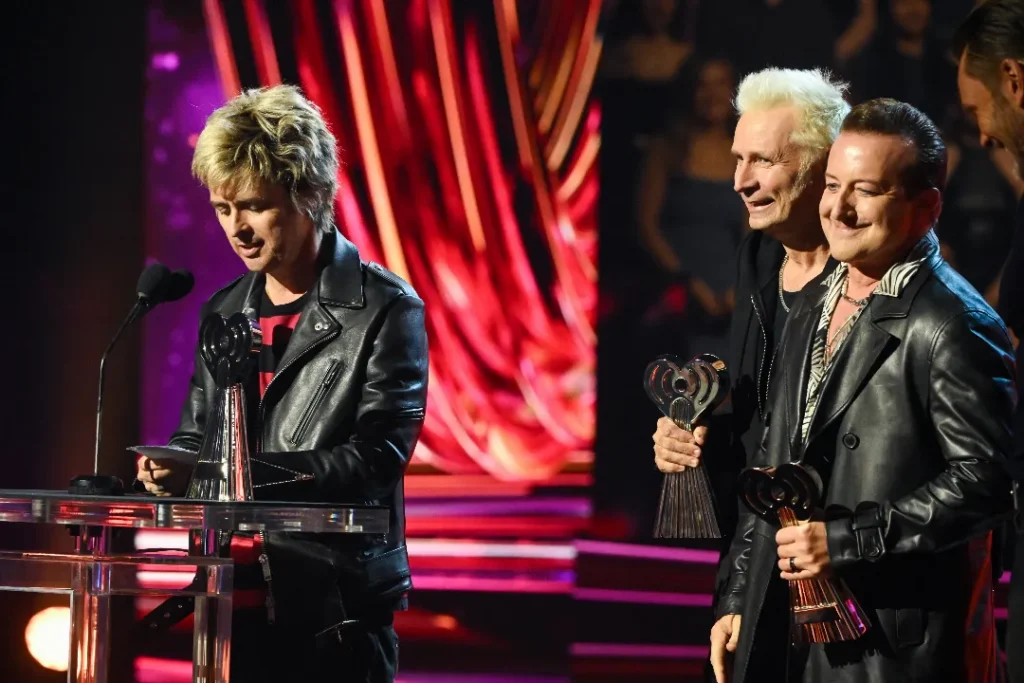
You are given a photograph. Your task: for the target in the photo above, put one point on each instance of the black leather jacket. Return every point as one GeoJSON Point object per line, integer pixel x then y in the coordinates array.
{"type": "Point", "coordinates": [346, 406]}
{"type": "Point", "coordinates": [753, 367]}
{"type": "Point", "coordinates": [911, 433]}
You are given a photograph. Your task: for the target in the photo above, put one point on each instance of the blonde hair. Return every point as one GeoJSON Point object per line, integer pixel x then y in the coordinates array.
{"type": "Point", "coordinates": [272, 135]}
{"type": "Point", "coordinates": [817, 97]}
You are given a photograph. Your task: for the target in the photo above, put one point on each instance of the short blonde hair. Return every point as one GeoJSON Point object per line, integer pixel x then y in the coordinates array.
{"type": "Point", "coordinates": [817, 97]}
{"type": "Point", "coordinates": [272, 135]}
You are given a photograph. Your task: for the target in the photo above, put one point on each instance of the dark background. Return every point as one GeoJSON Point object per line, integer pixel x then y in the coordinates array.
{"type": "Point", "coordinates": [72, 249]}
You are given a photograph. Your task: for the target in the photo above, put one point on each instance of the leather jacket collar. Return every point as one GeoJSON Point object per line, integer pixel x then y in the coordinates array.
{"type": "Point", "coordinates": [340, 282]}
{"type": "Point", "coordinates": [856, 359]}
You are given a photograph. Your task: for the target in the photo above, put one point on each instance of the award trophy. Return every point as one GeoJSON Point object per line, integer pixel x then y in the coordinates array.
{"type": "Point", "coordinates": [686, 393]}
{"type": "Point", "coordinates": [222, 466]}
{"type": "Point", "coordinates": [824, 609]}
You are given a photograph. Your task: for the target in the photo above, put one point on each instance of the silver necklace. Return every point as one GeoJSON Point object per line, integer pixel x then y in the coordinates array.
{"type": "Point", "coordinates": [782, 268]}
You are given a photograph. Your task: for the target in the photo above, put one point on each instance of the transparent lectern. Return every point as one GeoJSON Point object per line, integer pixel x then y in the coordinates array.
{"type": "Point", "coordinates": [91, 575]}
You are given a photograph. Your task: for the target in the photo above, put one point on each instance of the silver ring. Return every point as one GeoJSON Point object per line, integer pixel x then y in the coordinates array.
{"type": "Point", "coordinates": [792, 566]}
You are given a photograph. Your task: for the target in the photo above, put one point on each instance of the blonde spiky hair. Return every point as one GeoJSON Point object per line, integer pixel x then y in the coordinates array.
{"type": "Point", "coordinates": [272, 135]}
{"type": "Point", "coordinates": [817, 97]}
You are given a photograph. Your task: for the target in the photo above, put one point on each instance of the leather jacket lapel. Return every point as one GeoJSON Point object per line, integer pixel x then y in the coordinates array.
{"type": "Point", "coordinates": [870, 341]}
{"type": "Point", "coordinates": [858, 358]}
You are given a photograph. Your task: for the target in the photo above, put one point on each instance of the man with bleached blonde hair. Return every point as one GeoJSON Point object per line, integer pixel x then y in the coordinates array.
{"type": "Point", "coordinates": [788, 119]}
{"type": "Point", "coordinates": [338, 398]}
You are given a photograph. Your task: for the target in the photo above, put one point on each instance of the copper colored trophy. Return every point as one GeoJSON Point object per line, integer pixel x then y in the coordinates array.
{"type": "Point", "coordinates": [823, 609]}
{"type": "Point", "coordinates": [687, 393]}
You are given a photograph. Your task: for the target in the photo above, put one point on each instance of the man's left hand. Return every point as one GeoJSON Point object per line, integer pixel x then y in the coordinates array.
{"type": "Point", "coordinates": [806, 546]}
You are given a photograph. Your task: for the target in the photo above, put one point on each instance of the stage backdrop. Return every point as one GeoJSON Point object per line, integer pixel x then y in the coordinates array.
{"type": "Point", "coordinates": [468, 137]}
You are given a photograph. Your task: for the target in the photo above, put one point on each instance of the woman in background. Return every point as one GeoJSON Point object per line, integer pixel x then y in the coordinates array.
{"type": "Point", "coordinates": [689, 217]}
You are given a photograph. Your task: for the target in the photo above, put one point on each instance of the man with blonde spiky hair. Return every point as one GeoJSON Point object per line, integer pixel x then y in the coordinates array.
{"type": "Point", "coordinates": [788, 119]}
{"type": "Point", "coordinates": [338, 397]}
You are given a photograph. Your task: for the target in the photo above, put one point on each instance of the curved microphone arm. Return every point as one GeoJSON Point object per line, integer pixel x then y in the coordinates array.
{"type": "Point", "coordinates": [141, 307]}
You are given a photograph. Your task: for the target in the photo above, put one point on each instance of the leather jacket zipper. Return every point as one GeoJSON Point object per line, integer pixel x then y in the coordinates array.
{"type": "Point", "coordinates": [764, 353]}
{"type": "Point", "coordinates": [314, 402]}
{"type": "Point", "coordinates": [264, 559]}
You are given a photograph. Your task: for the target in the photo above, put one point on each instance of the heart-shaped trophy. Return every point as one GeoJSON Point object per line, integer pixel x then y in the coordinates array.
{"type": "Point", "coordinates": [227, 346]}
{"type": "Point", "coordinates": [686, 393]}
{"type": "Point", "coordinates": [823, 609]}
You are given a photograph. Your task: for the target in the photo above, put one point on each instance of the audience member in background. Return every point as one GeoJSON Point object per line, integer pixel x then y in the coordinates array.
{"type": "Point", "coordinates": [976, 229]}
{"type": "Point", "coordinates": [653, 49]}
{"type": "Point", "coordinates": [646, 47]}
{"type": "Point", "coordinates": [798, 34]}
{"type": "Point", "coordinates": [990, 49]}
{"type": "Point", "coordinates": [906, 62]}
{"type": "Point", "coordinates": [688, 215]}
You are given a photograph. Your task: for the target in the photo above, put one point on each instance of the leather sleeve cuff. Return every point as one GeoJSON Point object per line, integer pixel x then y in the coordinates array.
{"type": "Point", "coordinates": [731, 601]}
{"type": "Point", "coordinates": [855, 535]}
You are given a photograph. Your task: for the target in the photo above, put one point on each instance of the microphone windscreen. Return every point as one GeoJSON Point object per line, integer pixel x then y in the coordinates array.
{"type": "Point", "coordinates": [152, 281]}
{"type": "Point", "coordinates": [179, 284]}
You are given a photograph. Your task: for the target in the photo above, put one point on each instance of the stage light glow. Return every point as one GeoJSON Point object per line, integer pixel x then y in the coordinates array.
{"type": "Point", "coordinates": [48, 637]}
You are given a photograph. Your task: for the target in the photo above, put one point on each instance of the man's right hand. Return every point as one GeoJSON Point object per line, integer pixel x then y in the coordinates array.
{"type": "Point", "coordinates": [725, 636]}
{"type": "Point", "coordinates": [675, 449]}
{"type": "Point", "coordinates": [167, 477]}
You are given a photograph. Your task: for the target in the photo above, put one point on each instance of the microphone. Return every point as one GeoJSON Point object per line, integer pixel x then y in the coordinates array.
{"type": "Point", "coordinates": [157, 284]}
{"type": "Point", "coordinates": [180, 283]}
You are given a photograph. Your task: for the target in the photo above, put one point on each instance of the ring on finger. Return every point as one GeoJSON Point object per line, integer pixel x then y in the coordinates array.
{"type": "Point", "coordinates": [792, 566]}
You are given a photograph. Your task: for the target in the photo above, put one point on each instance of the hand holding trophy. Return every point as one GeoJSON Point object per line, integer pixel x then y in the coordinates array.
{"type": "Point", "coordinates": [687, 393]}
{"type": "Point", "coordinates": [823, 609]}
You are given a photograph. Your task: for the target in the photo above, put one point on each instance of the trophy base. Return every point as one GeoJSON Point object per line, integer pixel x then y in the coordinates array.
{"type": "Point", "coordinates": [687, 506]}
{"type": "Point", "coordinates": [825, 612]}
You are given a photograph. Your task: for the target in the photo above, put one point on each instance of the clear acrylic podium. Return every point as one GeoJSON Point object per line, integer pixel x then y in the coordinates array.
{"type": "Point", "coordinates": [92, 575]}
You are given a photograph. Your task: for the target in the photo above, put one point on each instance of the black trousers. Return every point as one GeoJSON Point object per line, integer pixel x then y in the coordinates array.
{"type": "Point", "coordinates": [264, 653]}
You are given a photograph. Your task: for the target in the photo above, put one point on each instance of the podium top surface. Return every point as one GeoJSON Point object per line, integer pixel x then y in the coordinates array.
{"type": "Point", "coordinates": [144, 511]}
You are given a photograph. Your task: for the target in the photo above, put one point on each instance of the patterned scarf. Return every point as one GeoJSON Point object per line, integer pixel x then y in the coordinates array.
{"type": "Point", "coordinates": [892, 284]}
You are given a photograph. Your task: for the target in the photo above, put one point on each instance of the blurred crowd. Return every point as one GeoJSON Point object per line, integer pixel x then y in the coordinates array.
{"type": "Point", "coordinates": [670, 220]}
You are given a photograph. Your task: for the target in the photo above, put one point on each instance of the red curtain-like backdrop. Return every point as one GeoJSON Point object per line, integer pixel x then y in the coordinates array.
{"type": "Point", "coordinates": [469, 146]}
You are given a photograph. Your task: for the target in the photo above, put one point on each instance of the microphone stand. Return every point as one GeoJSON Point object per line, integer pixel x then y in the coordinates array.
{"type": "Point", "coordinates": [97, 484]}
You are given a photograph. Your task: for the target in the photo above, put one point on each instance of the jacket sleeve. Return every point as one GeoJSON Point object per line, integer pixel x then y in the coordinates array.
{"type": "Point", "coordinates": [972, 397]}
{"type": "Point", "coordinates": [388, 421]}
{"type": "Point", "coordinates": [735, 567]}
{"type": "Point", "coordinates": [192, 425]}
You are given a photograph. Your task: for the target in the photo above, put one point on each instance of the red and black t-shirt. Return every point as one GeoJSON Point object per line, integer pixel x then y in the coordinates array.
{"type": "Point", "coordinates": [277, 322]}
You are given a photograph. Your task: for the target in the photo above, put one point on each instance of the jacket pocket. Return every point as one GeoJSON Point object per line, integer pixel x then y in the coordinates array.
{"type": "Point", "coordinates": [314, 402]}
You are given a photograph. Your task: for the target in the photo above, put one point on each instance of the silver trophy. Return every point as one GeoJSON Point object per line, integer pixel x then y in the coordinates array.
{"type": "Point", "coordinates": [222, 470]}
{"type": "Point", "coordinates": [687, 393]}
